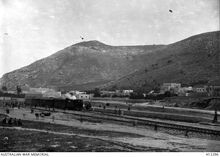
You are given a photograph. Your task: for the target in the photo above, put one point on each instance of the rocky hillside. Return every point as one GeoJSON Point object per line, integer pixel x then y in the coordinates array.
{"type": "Point", "coordinates": [80, 66]}
{"type": "Point", "coordinates": [193, 61]}
{"type": "Point", "coordinates": [86, 65]}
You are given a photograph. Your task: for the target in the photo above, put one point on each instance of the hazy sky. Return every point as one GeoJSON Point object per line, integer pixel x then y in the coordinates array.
{"type": "Point", "coordinates": [33, 29]}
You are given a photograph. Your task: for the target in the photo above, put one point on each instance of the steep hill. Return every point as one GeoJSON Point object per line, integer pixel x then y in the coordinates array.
{"type": "Point", "coordinates": [80, 66]}
{"type": "Point", "coordinates": [86, 65]}
{"type": "Point", "coordinates": [193, 61]}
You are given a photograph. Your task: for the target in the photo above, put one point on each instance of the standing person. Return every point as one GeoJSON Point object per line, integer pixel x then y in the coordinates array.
{"type": "Point", "coordinates": [53, 118]}
{"type": "Point", "coordinates": [5, 142]}
{"type": "Point", "coordinates": [163, 108]}
{"type": "Point", "coordinates": [7, 111]}
{"type": "Point", "coordinates": [19, 122]}
{"type": "Point", "coordinates": [119, 112]}
{"type": "Point", "coordinates": [81, 119]}
{"type": "Point", "coordinates": [4, 121]}
{"type": "Point", "coordinates": [186, 133]}
{"type": "Point", "coordinates": [115, 109]}
{"type": "Point", "coordinates": [10, 121]}
{"type": "Point", "coordinates": [122, 113]}
{"type": "Point", "coordinates": [15, 122]}
{"type": "Point", "coordinates": [155, 127]}
{"type": "Point", "coordinates": [53, 105]}
{"type": "Point", "coordinates": [135, 123]}
{"type": "Point", "coordinates": [37, 115]}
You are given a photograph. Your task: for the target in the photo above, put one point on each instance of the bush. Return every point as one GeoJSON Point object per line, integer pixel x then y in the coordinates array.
{"type": "Point", "coordinates": [136, 96]}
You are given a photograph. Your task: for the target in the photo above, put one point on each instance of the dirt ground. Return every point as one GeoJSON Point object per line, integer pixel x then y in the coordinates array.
{"type": "Point", "coordinates": [45, 134]}
{"type": "Point", "coordinates": [46, 141]}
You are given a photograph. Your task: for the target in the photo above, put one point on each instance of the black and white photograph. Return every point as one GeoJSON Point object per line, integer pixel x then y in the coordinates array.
{"type": "Point", "coordinates": [109, 76]}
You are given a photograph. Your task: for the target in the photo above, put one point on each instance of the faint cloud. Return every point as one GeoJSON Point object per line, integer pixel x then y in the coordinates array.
{"type": "Point", "coordinates": [52, 17]}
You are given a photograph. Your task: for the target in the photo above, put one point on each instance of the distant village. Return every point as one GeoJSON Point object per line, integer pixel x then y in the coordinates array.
{"type": "Point", "coordinates": [166, 90]}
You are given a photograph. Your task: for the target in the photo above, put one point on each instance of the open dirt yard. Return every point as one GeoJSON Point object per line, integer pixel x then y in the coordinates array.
{"type": "Point", "coordinates": [66, 133]}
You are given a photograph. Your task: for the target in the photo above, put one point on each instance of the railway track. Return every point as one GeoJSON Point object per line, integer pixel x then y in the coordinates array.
{"type": "Point", "coordinates": [137, 121]}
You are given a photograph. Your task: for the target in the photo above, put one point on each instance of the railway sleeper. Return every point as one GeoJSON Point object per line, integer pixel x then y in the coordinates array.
{"type": "Point", "coordinates": [127, 119]}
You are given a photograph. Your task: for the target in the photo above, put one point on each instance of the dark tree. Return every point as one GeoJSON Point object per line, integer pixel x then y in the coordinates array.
{"type": "Point", "coordinates": [114, 87]}
{"type": "Point", "coordinates": [96, 92]}
{"type": "Point", "coordinates": [136, 95]}
{"type": "Point", "coordinates": [167, 94]}
{"type": "Point", "coordinates": [4, 88]}
{"type": "Point", "coordinates": [19, 91]}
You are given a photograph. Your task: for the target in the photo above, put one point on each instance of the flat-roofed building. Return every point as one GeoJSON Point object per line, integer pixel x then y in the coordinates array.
{"type": "Point", "coordinates": [213, 90]}
{"type": "Point", "coordinates": [170, 87]}
{"type": "Point", "coordinates": [84, 96]}
{"type": "Point", "coordinates": [127, 92]}
{"type": "Point", "coordinates": [108, 93]}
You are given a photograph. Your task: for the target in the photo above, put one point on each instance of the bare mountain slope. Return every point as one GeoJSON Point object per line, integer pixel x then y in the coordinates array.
{"type": "Point", "coordinates": [193, 61]}
{"type": "Point", "coordinates": [91, 64]}
{"type": "Point", "coordinates": [87, 63]}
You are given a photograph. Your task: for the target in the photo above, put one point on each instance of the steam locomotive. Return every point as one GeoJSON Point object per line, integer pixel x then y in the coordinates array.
{"type": "Point", "coordinates": [65, 104]}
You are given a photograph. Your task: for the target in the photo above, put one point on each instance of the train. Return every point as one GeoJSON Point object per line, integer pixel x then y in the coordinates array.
{"type": "Point", "coordinates": [64, 104]}
{"type": "Point", "coordinates": [58, 103]}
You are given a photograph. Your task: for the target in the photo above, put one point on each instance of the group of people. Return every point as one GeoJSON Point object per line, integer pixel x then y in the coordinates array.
{"type": "Point", "coordinates": [12, 104]}
{"type": "Point", "coordinates": [118, 110]}
{"type": "Point", "coordinates": [11, 121]}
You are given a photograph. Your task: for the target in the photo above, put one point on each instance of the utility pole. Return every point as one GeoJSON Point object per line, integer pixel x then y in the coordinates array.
{"type": "Point", "coordinates": [215, 119]}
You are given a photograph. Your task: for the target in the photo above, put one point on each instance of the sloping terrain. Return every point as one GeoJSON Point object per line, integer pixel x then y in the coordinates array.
{"type": "Point", "coordinates": [193, 61]}
{"type": "Point", "coordinates": [86, 65]}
